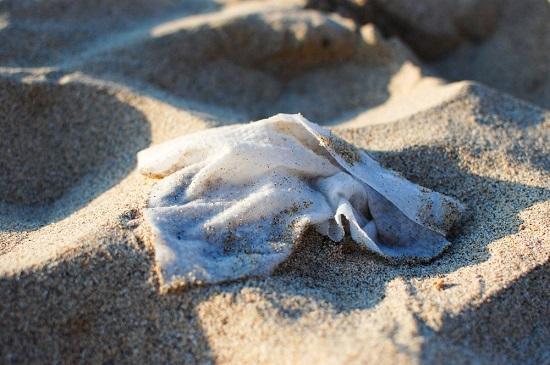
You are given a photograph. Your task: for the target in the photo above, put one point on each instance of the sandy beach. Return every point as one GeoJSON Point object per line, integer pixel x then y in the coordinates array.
{"type": "Point", "coordinates": [452, 95]}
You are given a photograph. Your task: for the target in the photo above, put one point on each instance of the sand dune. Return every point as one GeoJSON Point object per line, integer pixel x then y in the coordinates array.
{"type": "Point", "coordinates": [84, 86]}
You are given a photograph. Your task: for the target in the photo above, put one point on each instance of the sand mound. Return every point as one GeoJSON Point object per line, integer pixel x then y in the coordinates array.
{"type": "Point", "coordinates": [316, 64]}
{"type": "Point", "coordinates": [328, 298]}
{"type": "Point", "coordinates": [54, 133]}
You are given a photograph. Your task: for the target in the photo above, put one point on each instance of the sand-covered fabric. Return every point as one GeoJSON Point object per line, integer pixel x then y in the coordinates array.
{"type": "Point", "coordinates": [234, 200]}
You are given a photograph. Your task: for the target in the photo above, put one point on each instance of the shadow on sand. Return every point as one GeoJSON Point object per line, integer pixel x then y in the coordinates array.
{"type": "Point", "coordinates": [513, 323]}
{"type": "Point", "coordinates": [63, 144]}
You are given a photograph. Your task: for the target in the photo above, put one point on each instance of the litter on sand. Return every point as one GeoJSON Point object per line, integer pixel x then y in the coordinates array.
{"type": "Point", "coordinates": [234, 200]}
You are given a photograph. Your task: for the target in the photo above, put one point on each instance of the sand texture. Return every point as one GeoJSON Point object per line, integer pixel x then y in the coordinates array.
{"type": "Point", "coordinates": [85, 85]}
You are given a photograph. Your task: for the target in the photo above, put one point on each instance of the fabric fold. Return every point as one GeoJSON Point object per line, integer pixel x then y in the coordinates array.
{"type": "Point", "coordinates": [234, 200]}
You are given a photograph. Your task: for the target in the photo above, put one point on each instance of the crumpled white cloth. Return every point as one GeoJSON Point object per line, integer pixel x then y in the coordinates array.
{"type": "Point", "coordinates": [234, 200]}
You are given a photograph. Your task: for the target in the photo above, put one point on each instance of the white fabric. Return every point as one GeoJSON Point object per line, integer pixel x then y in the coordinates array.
{"type": "Point", "coordinates": [233, 200]}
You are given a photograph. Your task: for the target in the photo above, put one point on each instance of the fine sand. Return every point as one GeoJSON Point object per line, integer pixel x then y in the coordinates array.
{"type": "Point", "coordinates": [85, 85]}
